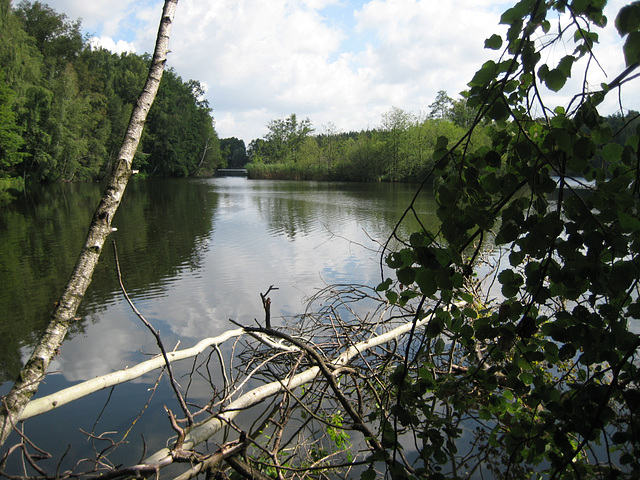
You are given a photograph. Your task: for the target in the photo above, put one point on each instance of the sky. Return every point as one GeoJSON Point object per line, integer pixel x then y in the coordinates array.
{"type": "Point", "coordinates": [341, 63]}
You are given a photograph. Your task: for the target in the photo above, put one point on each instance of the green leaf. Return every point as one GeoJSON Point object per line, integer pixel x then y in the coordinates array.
{"type": "Point", "coordinates": [441, 143]}
{"type": "Point", "coordinates": [392, 297]}
{"type": "Point", "coordinates": [369, 474]}
{"type": "Point", "coordinates": [426, 281]}
{"type": "Point", "coordinates": [470, 313]}
{"type": "Point", "coordinates": [484, 414]}
{"type": "Point", "coordinates": [543, 71]}
{"type": "Point", "coordinates": [517, 12]}
{"type": "Point", "coordinates": [602, 134]}
{"type": "Point", "coordinates": [467, 297]}
{"type": "Point", "coordinates": [526, 378]}
{"type": "Point", "coordinates": [555, 80]}
{"type": "Point", "coordinates": [434, 328]}
{"type": "Point", "coordinates": [493, 159]}
{"type": "Point", "coordinates": [584, 148]}
{"type": "Point", "coordinates": [628, 19]}
{"type": "Point", "coordinates": [612, 152]}
{"type": "Point", "coordinates": [406, 276]}
{"type": "Point", "coordinates": [499, 111]}
{"type": "Point", "coordinates": [494, 42]}
{"type": "Point", "coordinates": [628, 222]}
{"type": "Point", "coordinates": [632, 49]}
{"type": "Point", "coordinates": [384, 285]}
{"type": "Point", "coordinates": [565, 64]}
{"type": "Point", "coordinates": [485, 74]}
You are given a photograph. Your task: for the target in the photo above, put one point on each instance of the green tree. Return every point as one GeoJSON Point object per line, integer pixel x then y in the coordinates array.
{"type": "Point", "coordinates": [10, 132]}
{"type": "Point", "coordinates": [180, 138]}
{"type": "Point", "coordinates": [35, 118]}
{"type": "Point", "coordinates": [364, 158]}
{"type": "Point", "coordinates": [285, 137]}
{"type": "Point", "coordinates": [442, 106]}
{"type": "Point", "coordinates": [461, 114]}
{"type": "Point", "coordinates": [71, 104]}
{"type": "Point", "coordinates": [393, 129]}
{"type": "Point", "coordinates": [547, 367]}
{"type": "Point", "coordinates": [19, 57]}
{"type": "Point", "coordinates": [233, 150]}
{"type": "Point", "coordinates": [56, 37]}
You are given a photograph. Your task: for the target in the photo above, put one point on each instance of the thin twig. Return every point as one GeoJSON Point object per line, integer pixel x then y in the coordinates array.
{"type": "Point", "coordinates": [156, 334]}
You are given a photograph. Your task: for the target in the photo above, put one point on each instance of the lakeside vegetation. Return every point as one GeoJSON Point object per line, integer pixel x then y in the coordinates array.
{"type": "Point", "coordinates": [65, 104]}
{"type": "Point", "coordinates": [399, 150]}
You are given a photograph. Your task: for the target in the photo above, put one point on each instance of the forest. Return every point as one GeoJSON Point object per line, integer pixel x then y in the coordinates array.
{"type": "Point", "coordinates": [501, 342]}
{"type": "Point", "coordinates": [400, 149]}
{"type": "Point", "coordinates": [64, 106]}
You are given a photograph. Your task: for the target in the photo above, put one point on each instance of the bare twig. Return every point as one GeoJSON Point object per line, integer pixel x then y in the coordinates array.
{"type": "Point", "coordinates": [156, 334]}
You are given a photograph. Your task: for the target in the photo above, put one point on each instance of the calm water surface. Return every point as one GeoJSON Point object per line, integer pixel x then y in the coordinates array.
{"type": "Point", "coordinates": [193, 254]}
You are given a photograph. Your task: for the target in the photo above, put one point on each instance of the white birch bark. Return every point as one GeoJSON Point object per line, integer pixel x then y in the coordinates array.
{"type": "Point", "coordinates": [67, 395]}
{"type": "Point", "coordinates": [36, 367]}
{"type": "Point", "coordinates": [50, 402]}
{"type": "Point", "coordinates": [205, 430]}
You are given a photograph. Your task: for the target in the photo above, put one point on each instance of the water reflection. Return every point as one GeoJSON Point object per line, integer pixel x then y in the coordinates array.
{"type": "Point", "coordinates": [193, 254]}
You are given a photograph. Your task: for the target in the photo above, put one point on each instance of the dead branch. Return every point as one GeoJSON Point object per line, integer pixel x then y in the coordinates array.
{"type": "Point", "coordinates": [225, 452]}
{"type": "Point", "coordinates": [266, 304]}
{"type": "Point", "coordinates": [156, 335]}
{"type": "Point", "coordinates": [247, 471]}
{"type": "Point", "coordinates": [204, 430]}
{"type": "Point", "coordinates": [54, 400]}
{"type": "Point", "coordinates": [358, 422]}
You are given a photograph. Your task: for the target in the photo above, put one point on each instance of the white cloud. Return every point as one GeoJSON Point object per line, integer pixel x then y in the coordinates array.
{"type": "Point", "coordinates": [109, 44]}
{"type": "Point", "coordinates": [339, 61]}
{"type": "Point", "coordinates": [99, 17]}
{"type": "Point", "coordinates": [283, 57]}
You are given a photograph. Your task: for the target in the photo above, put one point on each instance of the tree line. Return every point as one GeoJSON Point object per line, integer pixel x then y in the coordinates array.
{"type": "Point", "coordinates": [400, 149]}
{"type": "Point", "coordinates": [65, 104]}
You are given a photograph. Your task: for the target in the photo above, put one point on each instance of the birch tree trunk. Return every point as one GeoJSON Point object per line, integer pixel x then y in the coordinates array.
{"type": "Point", "coordinates": [64, 315]}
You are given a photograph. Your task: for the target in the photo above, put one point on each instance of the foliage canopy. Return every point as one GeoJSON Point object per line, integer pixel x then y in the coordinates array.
{"type": "Point", "coordinates": [539, 352]}
{"type": "Point", "coordinates": [65, 105]}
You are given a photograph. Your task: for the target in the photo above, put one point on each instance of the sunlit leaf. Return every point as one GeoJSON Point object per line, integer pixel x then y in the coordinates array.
{"type": "Point", "coordinates": [555, 80]}
{"type": "Point", "coordinates": [494, 42]}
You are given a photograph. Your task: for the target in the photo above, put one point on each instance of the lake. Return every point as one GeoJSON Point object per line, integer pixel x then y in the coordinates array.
{"type": "Point", "coordinates": [193, 253]}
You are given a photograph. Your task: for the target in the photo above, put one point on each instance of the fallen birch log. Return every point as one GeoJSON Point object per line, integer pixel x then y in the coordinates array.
{"type": "Point", "coordinates": [42, 405]}
{"type": "Point", "coordinates": [205, 430]}
{"type": "Point", "coordinates": [55, 400]}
